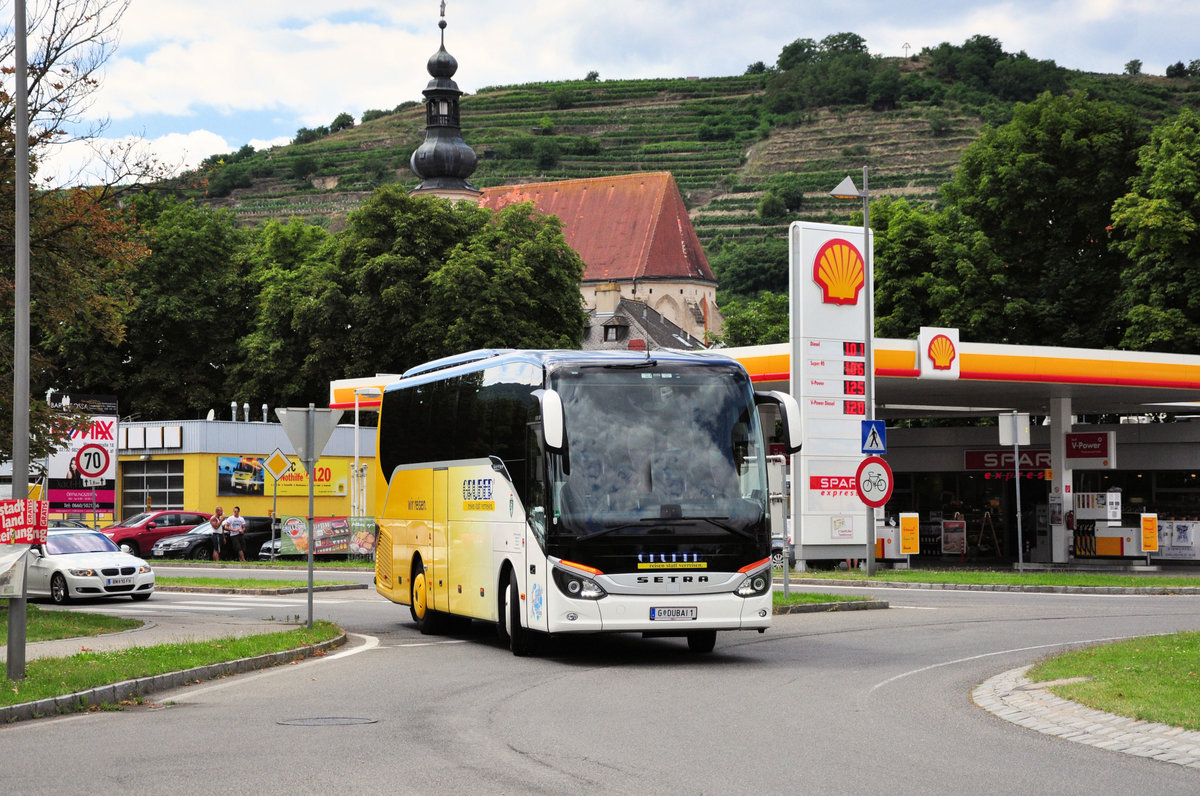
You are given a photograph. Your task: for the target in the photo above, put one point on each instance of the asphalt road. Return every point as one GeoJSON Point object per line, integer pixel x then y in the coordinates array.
{"type": "Point", "coordinates": [851, 702]}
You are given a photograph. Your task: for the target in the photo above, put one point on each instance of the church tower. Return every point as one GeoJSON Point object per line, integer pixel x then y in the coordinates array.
{"type": "Point", "coordinates": [444, 161]}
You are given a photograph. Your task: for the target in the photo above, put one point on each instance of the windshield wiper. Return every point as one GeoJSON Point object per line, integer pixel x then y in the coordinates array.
{"type": "Point", "coordinates": [725, 526]}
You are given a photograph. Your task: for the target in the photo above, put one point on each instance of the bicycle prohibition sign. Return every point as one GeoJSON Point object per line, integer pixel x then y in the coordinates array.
{"type": "Point", "coordinates": [874, 481]}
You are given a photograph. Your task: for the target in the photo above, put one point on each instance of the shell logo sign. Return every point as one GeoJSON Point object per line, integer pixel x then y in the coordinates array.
{"type": "Point", "coordinates": [840, 271]}
{"type": "Point", "coordinates": [937, 348]}
{"type": "Point", "coordinates": [942, 352]}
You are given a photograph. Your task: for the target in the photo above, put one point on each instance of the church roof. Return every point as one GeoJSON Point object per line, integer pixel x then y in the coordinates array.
{"type": "Point", "coordinates": [627, 227]}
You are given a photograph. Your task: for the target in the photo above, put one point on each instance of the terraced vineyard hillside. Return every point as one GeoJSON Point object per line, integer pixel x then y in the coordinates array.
{"type": "Point", "coordinates": [711, 134]}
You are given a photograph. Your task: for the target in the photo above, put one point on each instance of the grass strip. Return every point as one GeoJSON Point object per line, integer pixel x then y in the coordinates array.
{"type": "Point", "coordinates": [985, 578]}
{"type": "Point", "coordinates": [807, 598]}
{"type": "Point", "coordinates": [51, 625]}
{"type": "Point", "coordinates": [245, 583]}
{"type": "Point", "coordinates": [51, 677]}
{"type": "Point", "coordinates": [1153, 678]}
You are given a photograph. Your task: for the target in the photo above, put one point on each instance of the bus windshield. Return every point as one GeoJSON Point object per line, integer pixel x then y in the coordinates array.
{"type": "Point", "coordinates": [657, 450]}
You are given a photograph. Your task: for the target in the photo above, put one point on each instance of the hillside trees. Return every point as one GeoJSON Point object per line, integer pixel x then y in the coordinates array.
{"type": "Point", "coordinates": [1157, 227]}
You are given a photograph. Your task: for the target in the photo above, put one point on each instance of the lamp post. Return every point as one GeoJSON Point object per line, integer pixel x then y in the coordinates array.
{"type": "Point", "coordinates": [847, 190]}
{"type": "Point", "coordinates": [356, 488]}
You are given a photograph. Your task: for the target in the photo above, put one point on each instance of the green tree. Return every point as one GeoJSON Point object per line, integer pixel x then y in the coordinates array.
{"type": "Point", "coordinates": [421, 278]}
{"type": "Point", "coordinates": [523, 282]}
{"type": "Point", "coordinates": [1041, 190]}
{"type": "Point", "coordinates": [1133, 67]}
{"type": "Point", "coordinates": [1157, 227]}
{"type": "Point", "coordinates": [297, 336]}
{"type": "Point", "coordinates": [81, 247]}
{"type": "Point", "coordinates": [343, 121]}
{"type": "Point", "coordinates": [745, 269]}
{"type": "Point", "coordinates": [185, 316]}
{"type": "Point", "coordinates": [756, 321]}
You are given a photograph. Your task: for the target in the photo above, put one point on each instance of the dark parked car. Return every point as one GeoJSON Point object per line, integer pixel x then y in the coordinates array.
{"type": "Point", "coordinates": [197, 542]}
{"type": "Point", "coordinates": [139, 533]}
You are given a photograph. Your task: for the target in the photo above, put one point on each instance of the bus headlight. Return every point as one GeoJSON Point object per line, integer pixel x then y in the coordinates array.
{"type": "Point", "coordinates": [577, 586]}
{"type": "Point", "coordinates": [756, 583]}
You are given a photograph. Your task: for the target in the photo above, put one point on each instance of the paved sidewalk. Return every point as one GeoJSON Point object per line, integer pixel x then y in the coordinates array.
{"type": "Point", "coordinates": [1011, 696]}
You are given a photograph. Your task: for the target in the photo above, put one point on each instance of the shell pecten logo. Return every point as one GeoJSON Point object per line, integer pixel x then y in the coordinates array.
{"type": "Point", "coordinates": [941, 352]}
{"type": "Point", "coordinates": [840, 271]}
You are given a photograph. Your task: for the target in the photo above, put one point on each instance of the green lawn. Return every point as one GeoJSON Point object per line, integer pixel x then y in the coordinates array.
{"type": "Point", "coordinates": [50, 625]}
{"type": "Point", "coordinates": [50, 677]}
{"type": "Point", "coordinates": [1153, 678]}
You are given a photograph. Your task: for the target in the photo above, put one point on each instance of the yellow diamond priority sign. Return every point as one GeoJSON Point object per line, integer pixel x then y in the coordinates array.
{"type": "Point", "coordinates": [277, 464]}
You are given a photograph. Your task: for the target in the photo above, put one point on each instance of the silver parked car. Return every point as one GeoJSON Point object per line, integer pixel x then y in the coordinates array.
{"type": "Point", "coordinates": [85, 563]}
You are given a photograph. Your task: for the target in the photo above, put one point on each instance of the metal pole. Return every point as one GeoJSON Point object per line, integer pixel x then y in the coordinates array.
{"type": "Point", "coordinates": [15, 666]}
{"type": "Point", "coordinates": [312, 468]}
{"type": "Point", "coordinates": [354, 499]}
{"type": "Point", "coordinates": [1017, 472]}
{"type": "Point", "coordinates": [868, 350]}
{"type": "Point", "coordinates": [274, 513]}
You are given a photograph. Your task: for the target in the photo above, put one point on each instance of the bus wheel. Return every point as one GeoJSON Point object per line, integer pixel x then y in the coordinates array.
{"type": "Point", "coordinates": [702, 640]}
{"type": "Point", "coordinates": [520, 640]}
{"type": "Point", "coordinates": [422, 614]}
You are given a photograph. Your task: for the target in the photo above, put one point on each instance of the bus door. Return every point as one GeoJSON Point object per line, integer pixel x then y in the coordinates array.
{"type": "Point", "coordinates": [436, 571]}
{"type": "Point", "coordinates": [534, 574]}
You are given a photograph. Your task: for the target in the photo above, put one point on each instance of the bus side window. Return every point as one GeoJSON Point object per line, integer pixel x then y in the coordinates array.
{"type": "Point", "coordinates": [535, 483]}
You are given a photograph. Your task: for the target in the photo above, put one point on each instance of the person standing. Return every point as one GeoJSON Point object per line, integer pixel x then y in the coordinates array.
{"type": "Point", "coordinates": [235, 526]}
{"type": "Point", "coordinates": [214, 533]}
{"type": "Point", "coordinates": [218, 532]}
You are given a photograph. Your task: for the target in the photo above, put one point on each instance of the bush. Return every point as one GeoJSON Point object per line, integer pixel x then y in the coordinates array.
{"type": "Point", "coordinates": [772, 207]}
{"type": "Point", "coordinates": [939, 123]}
{"type": "Point", "coordinates": [373, 114]}
{"type": "Point", "coordinates": [304, 167]}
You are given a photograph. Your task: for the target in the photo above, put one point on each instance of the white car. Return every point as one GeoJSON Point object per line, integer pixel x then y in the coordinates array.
{"type": "Point", "coordinates": [85, 563]}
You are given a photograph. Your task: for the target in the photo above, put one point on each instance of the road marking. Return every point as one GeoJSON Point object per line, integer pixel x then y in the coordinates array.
{"type": "Point", "coordinates": [431, 643]}
{"type": "Point", "coordinates": [969, 658]}
{"type": "Point", "coordinates": [369, 643]}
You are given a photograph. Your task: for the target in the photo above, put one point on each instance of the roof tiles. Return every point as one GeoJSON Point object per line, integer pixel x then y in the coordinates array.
{"type": "Point", "coordinates": [627, 227]}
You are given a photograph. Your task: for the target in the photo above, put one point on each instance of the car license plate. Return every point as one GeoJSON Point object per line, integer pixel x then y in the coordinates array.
{"type": "Point", "coordinates": [673, 614]}
{"type": "Point", "coordinates": [118, 582]}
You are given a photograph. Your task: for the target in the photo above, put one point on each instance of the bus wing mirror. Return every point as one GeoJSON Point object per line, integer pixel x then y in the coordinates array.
{"type": "Point", "coordinates": [552, 419]}
{"type": "Point", "coordinates": [789, 411]}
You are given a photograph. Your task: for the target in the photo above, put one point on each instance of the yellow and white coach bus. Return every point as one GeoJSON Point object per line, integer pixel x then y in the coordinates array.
{"type": "Point", "coordinates": [577, 492]}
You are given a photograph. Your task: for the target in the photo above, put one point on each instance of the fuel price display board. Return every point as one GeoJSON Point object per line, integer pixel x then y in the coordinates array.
{"type": "Point", "coordinates": [829, 379]}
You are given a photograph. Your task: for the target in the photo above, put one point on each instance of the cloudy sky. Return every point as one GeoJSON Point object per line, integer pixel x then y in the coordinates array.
{"type": "Point", "coordinates": [199, 77]}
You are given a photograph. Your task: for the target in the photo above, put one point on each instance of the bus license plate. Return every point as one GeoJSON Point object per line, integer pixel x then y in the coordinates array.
{"type": "Point", "coordinates": [673, 614]}
{"type": "Point", "coordinates": [119, 582]}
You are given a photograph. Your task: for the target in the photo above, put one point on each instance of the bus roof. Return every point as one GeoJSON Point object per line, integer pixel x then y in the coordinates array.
{"type": "Point", "coordinates": [342, 391]}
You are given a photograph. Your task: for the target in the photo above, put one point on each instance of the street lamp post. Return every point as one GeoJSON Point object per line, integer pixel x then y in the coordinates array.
{"type": "Point", "coordinates": [356, 487]}
{"type": "Point", "coordinates": [847, 190]}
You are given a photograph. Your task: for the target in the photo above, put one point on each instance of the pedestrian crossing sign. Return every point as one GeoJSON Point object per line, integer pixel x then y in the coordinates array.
{"type": "Point", "coordinates": [874, 437]}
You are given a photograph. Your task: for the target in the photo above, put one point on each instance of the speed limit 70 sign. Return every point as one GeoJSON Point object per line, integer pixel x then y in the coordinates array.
{"type": "Point", "coordinates": [92, 461]}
